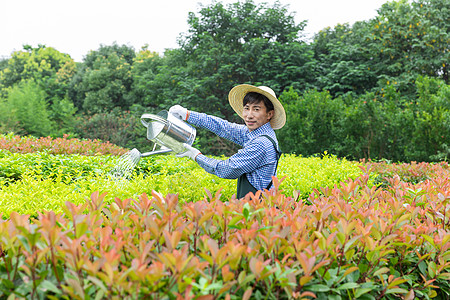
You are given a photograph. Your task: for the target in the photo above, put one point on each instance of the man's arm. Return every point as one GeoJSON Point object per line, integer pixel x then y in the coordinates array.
{"type": "Point", "coordinates": [230, 131]}
{"type": "Point", "coordinates": [224, 129]}
{"type": "Point", "coordinates": [244, 161]}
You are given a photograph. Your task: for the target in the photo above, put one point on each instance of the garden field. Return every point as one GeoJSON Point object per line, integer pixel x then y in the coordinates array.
{"type": "Point", "coordinates": [330, 229]}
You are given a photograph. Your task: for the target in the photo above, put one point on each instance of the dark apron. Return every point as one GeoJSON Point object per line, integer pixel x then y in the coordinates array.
{"type": "Point", "coordinates": [244, 186]}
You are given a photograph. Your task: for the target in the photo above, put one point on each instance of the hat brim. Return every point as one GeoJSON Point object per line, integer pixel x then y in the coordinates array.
{"type": "Point", "coordinates": [236, 97]}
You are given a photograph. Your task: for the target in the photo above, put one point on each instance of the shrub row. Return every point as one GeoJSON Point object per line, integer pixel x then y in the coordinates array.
{"type": "Point", "coordinates": [60, 178]}
{"type": "Point", "coordinates": [413, 172]}
{"type": "Point", "coordinates": [355, 241]}
{"type": "Point", "coordinates": [64, 145]}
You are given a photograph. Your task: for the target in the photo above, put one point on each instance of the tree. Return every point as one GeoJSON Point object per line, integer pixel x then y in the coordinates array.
{"type": "Point", "coordinates": [146, 69]}
{"type": "Point", "coordinates": [314, 122]}
{"type": "Point", "coordinates": [49, 68]}
{"type": "Point", "coordinates": [371, 126]}
{"type": "Point", "coordinates": [3, 63]}
{"type": "Point", "coordinates": [47, 72]}
{"type": "Point", "coordinates": [343, 60]}
{"type": "Point", "coordinates": [104, 80]}
{"type": "Point", "coordinates": [404, 41]}
{"type": "Point", "coordinates": [226, 46]}
{"type": "Point", "coordinates": [430, 139]}
{"type": "Point", "coordinates": [410, 40]}
{"type": "Point", "coordinates": [243, 43]}
{"type": "Point", "coordinates": [27, 109]}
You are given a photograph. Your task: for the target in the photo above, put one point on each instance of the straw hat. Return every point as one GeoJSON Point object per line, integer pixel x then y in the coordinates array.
{"type": "Point", "coordinates": [237, 94]}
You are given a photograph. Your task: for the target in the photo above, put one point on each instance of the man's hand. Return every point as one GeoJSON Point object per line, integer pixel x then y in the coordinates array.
{"type": "Point", "coordinates": [190, 152]}
{"type": "Point", "coordinates": [179, 111]}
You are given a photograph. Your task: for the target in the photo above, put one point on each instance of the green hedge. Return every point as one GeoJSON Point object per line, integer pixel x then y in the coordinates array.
{"type": "Point", "coordinates": [384, 125]}
{"type": "Point", "coordinates": [59, 178]}
{"type": "Point", "coordinates": [355, 241]}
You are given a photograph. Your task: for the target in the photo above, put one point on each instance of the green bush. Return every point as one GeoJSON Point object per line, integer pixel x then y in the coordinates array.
{"type": "Point", "coordinates": [304, 174]}
{"type": "Point", "coordinates": [62, 113]}
{"type": "Point", "coordinates": [383, 125]}
{"type": "Point", "coordinates": [355, 241]}
{"type": "Point", "coordinates": [13, 166]}
{"type": "Point", "coordinates": [312, 122]}
{"type": "Point", "coordinates": [431, 126]}
{"type": "Point", "coordinates": [63, 145]}
{"type": "Point", "coordinates": [75, 177]}
{"type": "Point", "coordinates": [122, 128]}
{"type": "Point", "coordinates": [28, 111]}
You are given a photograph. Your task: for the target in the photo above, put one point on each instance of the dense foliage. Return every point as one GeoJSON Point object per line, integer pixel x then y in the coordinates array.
{"type": "Point", "coordinates": [59, 174]}
{"type": "Point", "coordinates": [65, 145]}
{"type": "Point", "coordinates": [387, 125]}
{"type": "Point", "coordinates": [331, 229]}
{"type": "Point", "coordinates": [116, 126]}
{"type": "Point", "coordinates": [74, 226]}
{"type": "Point", "coordinates": [371, 73]}
{"type": "Point", "coordinates": [350, 241]}
{"type": "Point", "coordinates": [405, 40]}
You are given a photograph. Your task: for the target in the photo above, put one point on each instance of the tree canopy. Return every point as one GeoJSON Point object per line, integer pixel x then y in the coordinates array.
{"type": "Point", "coordinates": [373, 70]}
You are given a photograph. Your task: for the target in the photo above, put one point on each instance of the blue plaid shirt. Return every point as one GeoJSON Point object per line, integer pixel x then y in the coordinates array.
{"type": "Point", "coordinates": [257, 158]}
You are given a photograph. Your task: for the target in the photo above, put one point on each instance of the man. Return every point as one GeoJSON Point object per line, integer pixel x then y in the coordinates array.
{"type": "Point", "coordinates": [256, 163]}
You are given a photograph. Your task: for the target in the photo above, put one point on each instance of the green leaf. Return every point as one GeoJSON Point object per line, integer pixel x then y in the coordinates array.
{"type": "Point", "coordinates": [428, 238]}
{"type": "Point", "coordinates": [246, 211]}
{"type": "Point", "coordinates": [100, 295]}
{"type": "Point", "coordinates": [341, 237]}
{"type": "Point", "coordinates": [432, 269]}
{"type": "Point", "coordinates": [81, 229]}
{"type": "Point", "coordinates": [348, 285]}
{"type": "Point", "coordinates": [351, 242]}
{"type": "Point", "coordinates": [318, 288]}
{"type": "Point", "coordinates": [7, 283]}
{"type": "Point", "coordinates": [24, 242]}
{"type": "Point", "coordinates": [234, 221]}
{"type": "Point", "coordinates": [264, 228]}
{"type": "Point", "coordinates": [349, 254]}
{"type": "Point", "coordinates": [445, 276]}
{"type": "Point", "coordinates": [243, 278]}
{"type": "Point", "coordinates": [423, 268]}
{"type": "Point", "coordinates": [361, 291]}
{"type": "Point", "coordinates": [396, 291]}
{"type": "Point", "coordinates": [363, 267]}
{"type": "Point", "coordinates": [381, 271]}
{"type": "Point", "coordinates": [235, 227]}
{"type": "Point", "coordinates": [98, 283]}
{"type": "Point", "coordinates": [50, 286]}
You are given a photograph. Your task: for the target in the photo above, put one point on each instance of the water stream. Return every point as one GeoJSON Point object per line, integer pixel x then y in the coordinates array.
{"type": "Point", "coordinates": [126, 164]}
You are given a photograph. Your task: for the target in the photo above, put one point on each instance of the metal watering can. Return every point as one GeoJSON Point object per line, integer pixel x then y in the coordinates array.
{"type": "Point", "coordinates": [167, 131]}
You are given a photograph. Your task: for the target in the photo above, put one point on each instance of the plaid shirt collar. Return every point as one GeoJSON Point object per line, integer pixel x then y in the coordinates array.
{"type": "Point", "coordinates": [265, 129]}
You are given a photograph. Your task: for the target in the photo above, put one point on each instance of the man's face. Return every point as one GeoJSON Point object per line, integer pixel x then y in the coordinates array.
{"type": "Point", "coordinates": [255, 115]}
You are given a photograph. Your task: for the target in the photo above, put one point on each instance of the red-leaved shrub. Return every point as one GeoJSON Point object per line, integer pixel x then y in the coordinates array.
{"type": "Point", "coordinates": [64, 145]}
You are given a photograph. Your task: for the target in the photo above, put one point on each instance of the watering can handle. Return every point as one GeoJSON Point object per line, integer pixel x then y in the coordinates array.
{"type": "Point", "coordinates": [151, 117]}
{"type": "Point", "coordinates": [143, 121]}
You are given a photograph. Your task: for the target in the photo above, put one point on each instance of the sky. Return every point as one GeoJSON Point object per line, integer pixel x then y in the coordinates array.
{"type": "Point", "coordinates": [76, 27]}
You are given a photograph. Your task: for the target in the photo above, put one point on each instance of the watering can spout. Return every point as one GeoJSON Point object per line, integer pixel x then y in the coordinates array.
{"type": "Point", "coordinates": [160, 151]}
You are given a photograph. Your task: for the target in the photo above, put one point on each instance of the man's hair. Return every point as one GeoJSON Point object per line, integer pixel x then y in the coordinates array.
{"type": "Point", "coordinates": [253, 98]}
